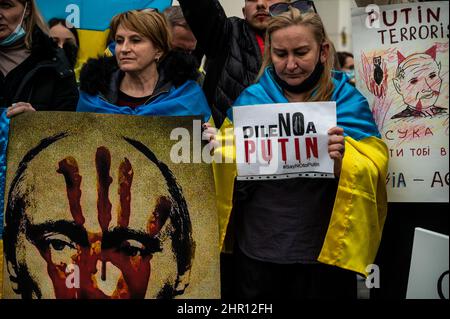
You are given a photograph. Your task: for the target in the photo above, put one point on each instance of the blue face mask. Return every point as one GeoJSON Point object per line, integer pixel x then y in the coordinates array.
{"type": "Point", "coordinates": [17, 34]}
{"type": "Point", "coordinates": [350, 74]}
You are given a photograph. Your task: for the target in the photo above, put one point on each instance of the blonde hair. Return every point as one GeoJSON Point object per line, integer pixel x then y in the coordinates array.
{"type": "Point", "coordinates": [33, 19]}
{"type": "Point", "coordinates": [324, 88]}
{"type": "Point", "coordinates": [149, 24]}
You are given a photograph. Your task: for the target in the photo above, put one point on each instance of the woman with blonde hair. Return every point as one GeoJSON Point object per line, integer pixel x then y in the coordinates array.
{"type": "Point", "coordinates": [34, 73]}
{"type": "Point", "coordinates": [305, 238]}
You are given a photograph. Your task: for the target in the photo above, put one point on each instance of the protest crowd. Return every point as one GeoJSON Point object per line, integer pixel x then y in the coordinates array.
{"type": "Point", "coordinates": [295, 238]}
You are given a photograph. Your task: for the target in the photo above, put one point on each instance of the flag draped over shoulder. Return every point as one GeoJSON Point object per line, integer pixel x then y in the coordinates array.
{"type": "Point", "coordinates": [92, 19]}
{"type": "Point", "coordinates": [360, 208]}
{"type": "Point", "coordinates": [186, 100]}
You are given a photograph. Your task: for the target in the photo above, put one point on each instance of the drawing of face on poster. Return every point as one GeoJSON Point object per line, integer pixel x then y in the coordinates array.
{"type": "Point", "coordinates": [402, 70]}
{"type": "Point", "coordinates": [113, 244]}
{"type": "Point", "coordinates": [98, 218]}
{"type": "Point", "coordinates": [419, 83]}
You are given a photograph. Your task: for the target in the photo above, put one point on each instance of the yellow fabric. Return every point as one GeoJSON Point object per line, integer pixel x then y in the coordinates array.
{"type": "Point", "coordinates": [92, 44]}
{"type": "Point", "coordinates": [224, 174]}
{"type": "Point", "coordinates": [1, 268]}
{"type": "Point", "coordinates": [360, 208]}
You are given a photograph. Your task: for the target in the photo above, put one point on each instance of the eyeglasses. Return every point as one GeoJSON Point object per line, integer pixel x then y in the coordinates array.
{"type": "Point", "coordinates": [302, 5]}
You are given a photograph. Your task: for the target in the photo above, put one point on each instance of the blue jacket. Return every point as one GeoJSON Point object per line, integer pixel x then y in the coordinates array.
{"type": "Point", "coordinates": [4, 129]}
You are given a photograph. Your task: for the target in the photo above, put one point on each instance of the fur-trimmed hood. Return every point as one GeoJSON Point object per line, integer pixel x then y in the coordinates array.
{"type": "Point", "coordinates": [102, 75]}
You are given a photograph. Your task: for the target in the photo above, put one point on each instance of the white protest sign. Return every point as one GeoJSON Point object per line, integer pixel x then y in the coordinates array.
{"type": "Point", "coordinates": [280, 141]}
{"type": "Point", "coordinates": [402, 68]}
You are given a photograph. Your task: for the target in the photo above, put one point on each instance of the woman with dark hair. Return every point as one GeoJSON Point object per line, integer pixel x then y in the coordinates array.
{"type": "Point", "coordinates": [66, 37]}
{"type": "Point", "coordinates": [347, 65]}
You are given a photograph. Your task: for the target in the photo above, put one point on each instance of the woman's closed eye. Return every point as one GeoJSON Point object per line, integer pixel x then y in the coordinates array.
{"type": "Point", "coordinates": [301, 52]}
{"type": "Point", "coordinates": [5, 5]}
{"type": "Point", "coordinates": [280, 54]}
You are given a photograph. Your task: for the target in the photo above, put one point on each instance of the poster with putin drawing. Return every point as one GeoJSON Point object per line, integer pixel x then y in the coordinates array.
{"type": "Point", "coordinates": [402, 63]}
{"type": "Point", "coordinates": [99, 207]}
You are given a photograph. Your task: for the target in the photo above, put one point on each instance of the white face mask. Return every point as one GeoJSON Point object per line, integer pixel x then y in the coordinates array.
{"type": "Point", "coordinates": [17, 34]}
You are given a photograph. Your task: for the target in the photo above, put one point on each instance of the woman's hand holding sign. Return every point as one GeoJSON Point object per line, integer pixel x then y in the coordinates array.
{"type": "Point", "coordinates": [209, 134]}
{"type": "Point", "coordinates": [336, 148]}
{"type": "Point", "coordinates": [18, 108]}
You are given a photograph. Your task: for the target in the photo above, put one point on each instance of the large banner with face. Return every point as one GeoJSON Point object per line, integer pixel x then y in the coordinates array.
{"type": "Point", "coordinates": [283, 141]}
{"type": "Point", "coordinates": [96, 208]}
{"type": "Point", "coordinates": [402, 63]}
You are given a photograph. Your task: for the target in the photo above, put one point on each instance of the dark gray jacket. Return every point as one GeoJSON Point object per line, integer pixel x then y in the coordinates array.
{"type": "Point", "coordinates": [232, 52]}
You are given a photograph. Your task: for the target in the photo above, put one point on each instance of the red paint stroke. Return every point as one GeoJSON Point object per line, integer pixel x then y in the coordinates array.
{"type": "Point", "coordinates": [400, 57]}
{"type": "Point", "coordinates": [159, 216]}
{"type": "Point", "coordinates": [432, 51]}
{"type": "Point", "coordinates": [68, 167]}
{"type": "Point", "coordinates": [125, 181]}
{"type": "Point", "coordinates": [104, 180]}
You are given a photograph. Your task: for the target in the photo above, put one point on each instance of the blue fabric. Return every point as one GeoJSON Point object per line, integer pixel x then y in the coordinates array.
{"type": "Point", "coordinates": [186, 100]}
{"type": "Point", "coordinates": [111, 49]}
{"type": "Point", "coordinates": [4, 130]}
{"type": "Point", "coordinates": [95, 14]}
{"type": "Point", "coordinates": [353, 112]}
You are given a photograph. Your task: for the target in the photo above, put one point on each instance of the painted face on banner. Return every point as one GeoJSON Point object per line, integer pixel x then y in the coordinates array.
{"type": "Point", "coordinates": [98, 224]}
{"type": "Point", "coordinates": [421, 83]}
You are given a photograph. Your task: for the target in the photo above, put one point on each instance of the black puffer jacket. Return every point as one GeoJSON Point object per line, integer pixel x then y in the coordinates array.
{"type": "Point", "coordinates": [44, 79]}
{"type": "Point", "coordinates": [232, 52]}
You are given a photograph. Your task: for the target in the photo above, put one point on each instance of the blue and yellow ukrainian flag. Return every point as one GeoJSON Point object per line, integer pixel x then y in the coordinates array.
{"type": "Point", "coordinates": [92, 19]}
{"type": "Point", "coordinates": [360, 208]}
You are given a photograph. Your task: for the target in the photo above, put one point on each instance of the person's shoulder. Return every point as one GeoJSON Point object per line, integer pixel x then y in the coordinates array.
{"type": "Point", "coordinates": [42, 46]}
{"type": "Point", "coordinates": [178, 67]}
{"type": "Point", "coordinates": [96, 74]}
{"type": "Point", "coordinates": [237, 21]}
{"type": "Point", "coordinates": [240, 27]}
{"type": "Point", "coordinates": [45, 52]}
{"type": "Point", "coordinates": [343, 89]}
{"type": "Point", "coordinates": [253, 94]}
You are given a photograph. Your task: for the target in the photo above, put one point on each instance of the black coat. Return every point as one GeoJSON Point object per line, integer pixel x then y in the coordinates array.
{"type": "Point", "coordinates": [44, 79]}
{"type": "Point", "coordinates": [232, 51]}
